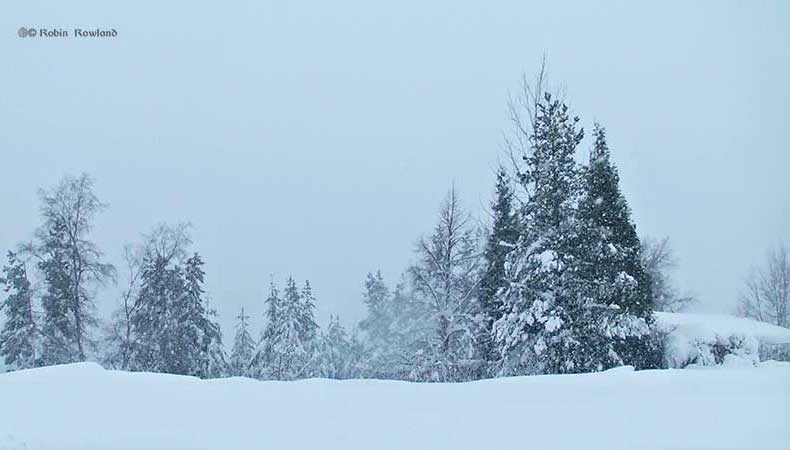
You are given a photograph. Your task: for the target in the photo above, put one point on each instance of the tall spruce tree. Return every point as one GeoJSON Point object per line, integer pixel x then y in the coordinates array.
{"type": "Point", "coordinates": [536, 332]}
{"type": "Point", "coordinates": [243, 347]}
{"type": "Point", "coordinates": [500, 241]}
{"type": "Point", "coordinates": [619, 289]}
{"type": "Point", "coordinates": [18, 337]}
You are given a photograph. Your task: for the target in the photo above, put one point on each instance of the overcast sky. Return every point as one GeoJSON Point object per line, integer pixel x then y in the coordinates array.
{"type": "Point", "coordinates": [319, 139]}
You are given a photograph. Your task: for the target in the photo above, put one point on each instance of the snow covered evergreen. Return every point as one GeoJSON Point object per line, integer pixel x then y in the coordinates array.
{"type": "Point", "coordinates": [619, 306]}
{"type": "Point", "coordinates": [19, 334]}
{"type": "Point", "coordinates": [500, 241]}
{"type": "Point", "coordinates": [172, 330]}
{"type": "Point", "coordinates": [536, 332]}
{"type": "Point", "coordinates": [243, 347]}
{"type": "Point", "coordinates": [287, 347]}
{"type": "Point", "coordinates": [335, 358]}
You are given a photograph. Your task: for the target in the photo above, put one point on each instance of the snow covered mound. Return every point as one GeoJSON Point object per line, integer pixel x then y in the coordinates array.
{"type": "Point", "coordinates": [709, 339]}
{"type": "Point", "coordinates": [82, 406]}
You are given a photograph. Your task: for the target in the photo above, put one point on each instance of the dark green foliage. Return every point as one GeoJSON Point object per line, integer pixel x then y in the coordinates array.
{"type": "Point", "coordinates": [500, 241]}
{"type": "Point", "coordinates": [611, 266]}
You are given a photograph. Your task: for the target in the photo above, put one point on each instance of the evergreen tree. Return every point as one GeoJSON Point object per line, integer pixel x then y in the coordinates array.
{"type": "Point", "coordinates": [214, 361]}
{"type": "Point", "coordinates": [500, 241]}
{"type": "Point", "coordinates": [173, 331]}
{"type": "Point", "coordinates": [309, 328]}
{"type": "Point", "coordinates": [151, 319]}
{"type": "Point", "coordinates": [262, 365]}
{"type": "Point", "coordinates": [358, 366]}
{"type": "Point", "coordinates": [58, 329]}
{"type": "Point", "coordinates": [620, 301]}
{"type": "Point", "coordinates": [395, 331]}
{"type": "Point", "coordinates": [18, 337]}
{"type": "Point", "coordinates": [536, 332]}
{"type": "Point", "coordinates": [282, 354]}
{"type": "Point", "coordinates": [334, 357]}
{"type": "Point", "coordinates": [243, 347]}
{"type": "Point", "coordinates": [377, 326]}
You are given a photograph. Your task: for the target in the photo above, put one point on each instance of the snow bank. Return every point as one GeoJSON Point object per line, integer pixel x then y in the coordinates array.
{"type": "Point", "coordinates": [81, 406]}
{"type": "Point", "coordinates": [709, 339]}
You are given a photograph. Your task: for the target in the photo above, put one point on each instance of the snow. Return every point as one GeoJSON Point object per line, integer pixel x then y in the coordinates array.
{"type": "Point", "coordinates": [711, 325]}
{"type": "Point", "coordinates": [82, 406]}
{"type": "Point", "coordinates": [698, 338]}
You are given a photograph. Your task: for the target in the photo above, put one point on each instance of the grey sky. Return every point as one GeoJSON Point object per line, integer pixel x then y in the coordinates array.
{"type": "Point", "coordinates": [318, 140]}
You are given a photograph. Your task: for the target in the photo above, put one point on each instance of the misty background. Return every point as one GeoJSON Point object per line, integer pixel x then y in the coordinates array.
{"type": "Point", "coordinates": [318, 140]}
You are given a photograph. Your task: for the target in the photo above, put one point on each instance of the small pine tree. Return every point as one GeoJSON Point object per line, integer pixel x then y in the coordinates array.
{"type": "Point", "coordinates": [309, 328]}
{"type": "Point", "coordinates": [243, 347]}
{"type": "Point", "coordinates": [214, 362]}
{"type": "Point", "coordinates": [19, 332]}
{"type": "Point", "coordinates": [282, 354]}
{"type": "Point", "coordinates": [334, 356]}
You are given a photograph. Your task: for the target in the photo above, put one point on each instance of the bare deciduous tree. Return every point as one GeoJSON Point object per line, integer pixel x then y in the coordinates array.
{"type": "Point", "coordinates": [446, 282]}
{"type": "Point", "coordinates": [659, 262]}
{"type": "Point", "coordinates": [72, 264]}
{"type": "Point", "coordinates": [766, 294]}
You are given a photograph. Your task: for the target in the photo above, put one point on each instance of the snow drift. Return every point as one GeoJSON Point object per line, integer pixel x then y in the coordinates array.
{"type": "Point", "coordinates": [709, 339]}
{"type": "Point", "coordinates": [82, 406]}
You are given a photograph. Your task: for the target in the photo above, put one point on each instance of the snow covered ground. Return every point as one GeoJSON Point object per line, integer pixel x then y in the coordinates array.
{"type": "Point", "coordinates": [82, 406]}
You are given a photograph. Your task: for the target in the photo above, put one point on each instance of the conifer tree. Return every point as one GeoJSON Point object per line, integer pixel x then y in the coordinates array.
{"type": "Point", "coordinates": [377, 326]}
{"type": "Point", "coordinates": [335, 354]}
{"type": "Point", "coordinates": [282, 354]}
{"type": "Point", "coordinates": [58, 328]}
{"type": "Point", "coordinates": [213, 357]}
{"type": "Point", "coordinates": [173, 331]}
{"type": "Point", "coordinates": [500, 241]}
{"type": "Point", "coordinates": [243, 347]}
{"type": "Point", "coordinates": [536, 332]}
{"type": "Point", "coordinates": [611, 266]}
{"type": "Point", "coordinates": [308, 326]}
{"type": "Point", "coordinates": [18, 337]}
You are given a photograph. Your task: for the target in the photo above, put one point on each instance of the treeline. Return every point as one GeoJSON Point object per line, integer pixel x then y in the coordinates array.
{"type": "Point", "coordinates": [558, 283]}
